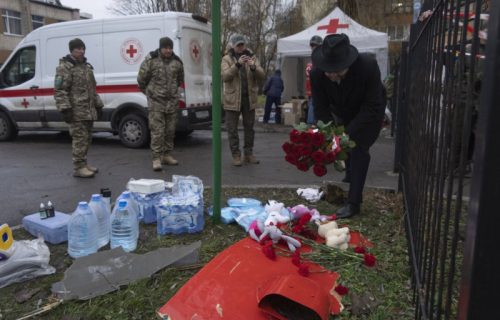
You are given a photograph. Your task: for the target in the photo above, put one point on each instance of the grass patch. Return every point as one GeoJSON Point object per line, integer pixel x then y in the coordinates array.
{"type": "Point", "coordinates": [381, 221]}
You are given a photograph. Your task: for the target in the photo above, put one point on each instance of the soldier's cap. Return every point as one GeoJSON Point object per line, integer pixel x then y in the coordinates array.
{"type": "Point", "coordinates": [316, 41]}
{"type": "Point", "coordinates": [76, 43]}
{"type": "Point", "coordinates": [166, 42]}
{"type": "Point", "coordinates": [238, 39]}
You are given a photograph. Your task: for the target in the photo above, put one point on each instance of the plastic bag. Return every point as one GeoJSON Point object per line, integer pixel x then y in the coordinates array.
{"type": "Point", "coordinates": [30, 259]}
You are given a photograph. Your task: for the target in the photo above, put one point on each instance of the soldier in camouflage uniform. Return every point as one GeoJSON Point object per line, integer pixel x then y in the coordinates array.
{"type": "Point", "coordinates": [160, 76]}
{"type": "Point", "coordinates": [79, 104]}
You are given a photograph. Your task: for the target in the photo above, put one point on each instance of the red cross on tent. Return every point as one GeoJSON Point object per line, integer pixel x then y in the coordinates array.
{"type": "Point", "coordinates": [195, 51]}
{"type": "Point", "coordinates": [25, 103]}
{"type": "Point", "coordinates": [131, 51]}
{"type": "Point", "coordinates": [332, 26]}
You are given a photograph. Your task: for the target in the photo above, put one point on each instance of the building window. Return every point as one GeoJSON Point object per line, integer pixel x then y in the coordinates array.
{"type": "Point", "coordinates": [11, 22]}
{"type": "Point", "coordinates": [398, 6]}
{"type": "Point", "coordinates": [398, 33]}
{"type": "Point", "coordinates": [36, 21]}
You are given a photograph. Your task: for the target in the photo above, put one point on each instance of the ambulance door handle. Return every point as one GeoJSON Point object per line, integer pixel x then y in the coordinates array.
{"type": "Point", "coordinates": [34, 88]}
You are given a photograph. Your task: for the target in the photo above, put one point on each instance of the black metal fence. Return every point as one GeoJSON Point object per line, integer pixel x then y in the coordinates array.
{"type": "Point", "coordinates": [447, 102]}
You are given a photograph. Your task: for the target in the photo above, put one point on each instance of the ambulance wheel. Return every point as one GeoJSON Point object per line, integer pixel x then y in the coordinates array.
{"type": "Point", "coordinates": [134, 131]}
{"type": "Point", "coordinates": [7, 129]}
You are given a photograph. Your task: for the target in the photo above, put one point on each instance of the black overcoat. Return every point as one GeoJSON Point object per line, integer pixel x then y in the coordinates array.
{"type": "Point", "coordinates": [358, 102]}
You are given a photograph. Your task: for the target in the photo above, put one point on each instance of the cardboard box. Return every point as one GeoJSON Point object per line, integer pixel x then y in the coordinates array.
{"type": "Point", "coordinates": [54, 230]}
{"type": "Point", "coordinates": [289, 116]}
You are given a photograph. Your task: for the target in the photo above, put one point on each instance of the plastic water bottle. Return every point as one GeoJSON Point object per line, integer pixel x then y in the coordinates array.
{"type": "Point", "coordinates": [132, 207]}
{"type": "Point", "coordinates": [122, 228]}
{"type": "Point", "coordinates": [82, 231]}
{"type": "Point", "coordinates": [102, 214]}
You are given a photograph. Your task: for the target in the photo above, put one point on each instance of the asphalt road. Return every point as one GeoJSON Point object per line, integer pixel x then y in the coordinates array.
{"type": "Point", "coordinates": [37, 167]}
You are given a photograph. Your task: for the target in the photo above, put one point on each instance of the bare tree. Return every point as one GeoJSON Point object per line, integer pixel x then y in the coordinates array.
{"type": "Point", "coordinates": [127, 7]}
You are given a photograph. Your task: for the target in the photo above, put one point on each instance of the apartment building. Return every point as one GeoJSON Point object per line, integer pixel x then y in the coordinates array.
{"type": "Point", "coordinates": [20, 17]}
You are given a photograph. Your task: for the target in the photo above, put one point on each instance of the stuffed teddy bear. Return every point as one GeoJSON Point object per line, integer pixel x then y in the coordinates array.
{"type": "Point", "coordinates": [300, 209]}
{"type": "Point", "coordinates": [259, 231]}
{"type": "Point", "coordinates": [274, 210]}
{"type": "Point", "coordinates": [335, 237]}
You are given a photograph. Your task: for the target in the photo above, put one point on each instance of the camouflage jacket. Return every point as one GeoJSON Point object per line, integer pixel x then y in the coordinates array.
{"type": "Point", "coordinates": [231, 77]}
{"type": "Point", "coordinates": [159, 79]}
{"type": "Point", "coordinates": [75, 88]}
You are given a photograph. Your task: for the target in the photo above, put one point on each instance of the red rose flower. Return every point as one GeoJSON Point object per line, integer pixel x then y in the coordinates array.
{"type": "Point", "coordinates": [298, 228]}
{"type": "Point", "coordinates": [287, 147]}
{"type": "Point", "coordinates": [319, 170]}
{"type": "Point", "coordinates": [296, 258]}
{"type": "Point", "coordinates": [318, 156]}
{"type": "Point", "coordinates": [369, 260]}
{"type": "Point", "coordinates": [295, 136]}
{"type": "Point", "coordinates": [304, 270]}
{"type": "Point", "coordinates": [305, 219]}
{"type": "Point", "coordinates": [302, 165]}
{"type": "Point", "coordinates": [360, 250]}
{"type": "Point", "coordinates": [318, 139]}
{"type": "Point", "coordinates": [268, 251]}
{"type": "Point", "coordinates": [341, 290]}
{"type": "Point", "coordinates": [330, 157]}
{"type": "Point", "coordinates": [291, 158]}
{"type": "Point", "coordinates": [305, 138]}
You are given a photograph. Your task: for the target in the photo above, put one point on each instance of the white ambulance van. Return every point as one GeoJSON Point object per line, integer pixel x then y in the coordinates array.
{"type": "Point", "coordinates": [116, 48]}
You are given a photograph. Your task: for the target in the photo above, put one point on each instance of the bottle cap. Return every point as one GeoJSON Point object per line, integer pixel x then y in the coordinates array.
{"type": "Point", "coordinates": [83, 204]}
{"type": "Point", "coordinates": [49, 203]}
{"type": "Point", "coordinates": [106, 192]}
{"type": "Point", "coordinates": [122, 204]}
{"type": "Point", "coordinates": [96, 197]}
{"type": "Point", "coordinates": [42, 206]}
{"type": "Point", "coordinates": [126, 194]}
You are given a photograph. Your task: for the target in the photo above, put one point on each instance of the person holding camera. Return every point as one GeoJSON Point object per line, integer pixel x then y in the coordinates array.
{"type": "Point", "coordinates": [241, 75]}
{"type": "Point", "coordinates": [79, 104]}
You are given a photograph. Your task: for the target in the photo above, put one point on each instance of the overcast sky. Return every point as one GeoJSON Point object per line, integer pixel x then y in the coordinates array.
{"type": "Point", "coordinates": [95, 7]}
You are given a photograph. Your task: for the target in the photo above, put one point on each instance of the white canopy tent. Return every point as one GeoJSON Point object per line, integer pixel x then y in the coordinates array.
{"type": "Point", "coordinates": [294, 52]}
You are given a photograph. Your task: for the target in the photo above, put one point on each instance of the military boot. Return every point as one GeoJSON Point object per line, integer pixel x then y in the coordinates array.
{"type": "Point", "coordinates": [168, 159]}
{"type": "Point", "coordinates": [92, 168]}
{"type": "Point", "coordinates": [83, 172]}
{"type": "Point", "coordinates": [251, 159]}
{"type": "Point", "coordinates": [157, 165]}
{"type": "Point", "coordinates": [237, 161]}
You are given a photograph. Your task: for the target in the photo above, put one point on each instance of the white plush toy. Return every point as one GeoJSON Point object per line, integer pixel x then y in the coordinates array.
{"type": "Point", "coordinates": [274, 210]}
{"type": "Point", "coordinates": [335, 237]}
{"type": "Point", "coordinates": [276, 234]}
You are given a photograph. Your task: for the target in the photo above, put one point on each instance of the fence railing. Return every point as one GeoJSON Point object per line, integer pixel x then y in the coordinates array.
{"type": "Point", "coordinates": [444, 151]}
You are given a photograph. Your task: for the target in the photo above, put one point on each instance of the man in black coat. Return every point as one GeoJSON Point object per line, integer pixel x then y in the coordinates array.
{"type": "Point", "coordinates": [347, 89]}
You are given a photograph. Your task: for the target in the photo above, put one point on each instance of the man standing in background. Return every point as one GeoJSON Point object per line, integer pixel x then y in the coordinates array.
{"type": "Point", "coordinates": [79, 104]}
{"type": "Point", "coordinates": [313, 43]}
{"type": "Point", "coordinates": [160, 76]}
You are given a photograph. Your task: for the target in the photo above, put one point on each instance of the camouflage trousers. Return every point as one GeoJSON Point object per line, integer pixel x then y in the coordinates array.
{"type": "Point", "coordinates": [81, 135]}
{"type": "Point", "coordinates": [232, 119]}
{"type": "Point", "coordinates": [162, 128]}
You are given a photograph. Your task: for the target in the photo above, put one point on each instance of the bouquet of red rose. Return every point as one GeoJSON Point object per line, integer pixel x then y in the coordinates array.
{"type": "Point", "coordinates": [318, 146]}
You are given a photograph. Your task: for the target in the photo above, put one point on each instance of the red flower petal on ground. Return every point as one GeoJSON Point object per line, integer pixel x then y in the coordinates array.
{"type": "Point", "coordinates": [360, 250]}
{"type": "Point", "coordinates": [369, 260]}
{"type": "Point", "coordinates": [296, 258]}
{"type": "Point", "coordinates": [295, 136]}
{"type": "Point", "coordinates": [318, 156]}
{"type": "Point", "coordinates": [340, 289]}
{"type": "Point", "coordinates": [269, 252]}
{"type": "Point", "coordinates": [304, 270]}
{"type": "Point", "coordinates": [319, 170]}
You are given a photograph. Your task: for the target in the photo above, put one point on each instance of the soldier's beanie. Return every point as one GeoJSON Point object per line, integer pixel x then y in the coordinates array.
{"type": "Point", "coordinates": [238, 39]}
{"type": "Point", "coordinates": [166, 42]}
{"type": "Point", "coordinates": [76, 43]}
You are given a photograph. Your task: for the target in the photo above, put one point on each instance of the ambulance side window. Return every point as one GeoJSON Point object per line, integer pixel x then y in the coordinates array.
{"type": "Point", "coordinates": [20, 69]}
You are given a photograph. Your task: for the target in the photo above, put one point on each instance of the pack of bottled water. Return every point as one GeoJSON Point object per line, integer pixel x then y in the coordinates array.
{"type": "Point", "coordinates": [146, 203]}
{"type": "Point", "coordinates": [182, 210]}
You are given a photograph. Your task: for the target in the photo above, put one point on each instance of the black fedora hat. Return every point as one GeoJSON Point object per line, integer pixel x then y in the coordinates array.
{"type": "Point", "coordinates": [335, 54]}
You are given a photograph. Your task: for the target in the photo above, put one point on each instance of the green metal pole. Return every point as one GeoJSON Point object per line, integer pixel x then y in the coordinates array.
{"type": "Point", "coordinates": [216, 111]}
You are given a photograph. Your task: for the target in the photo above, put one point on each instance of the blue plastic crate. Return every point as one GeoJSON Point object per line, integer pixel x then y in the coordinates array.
{"type": "Point", "coordinates": [54, 230]}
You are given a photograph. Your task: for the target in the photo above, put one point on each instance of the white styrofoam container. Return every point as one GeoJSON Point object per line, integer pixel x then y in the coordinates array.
{"type": "Point", "coordinates": [54, 230]}
{"type": "Point", "coordinates": [146, 186]}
